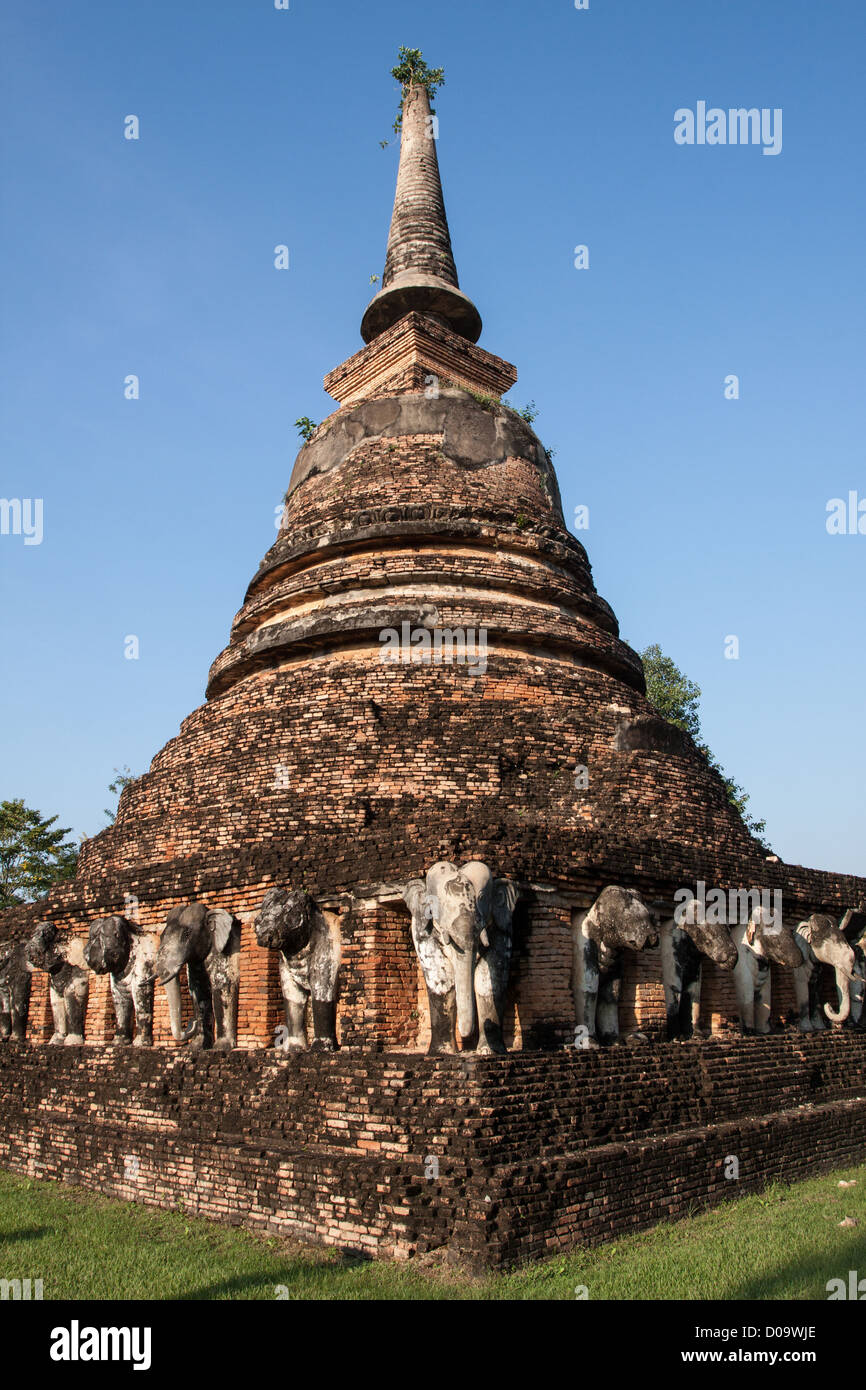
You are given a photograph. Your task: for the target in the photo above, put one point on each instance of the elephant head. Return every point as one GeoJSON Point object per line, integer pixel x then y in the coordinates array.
{"type": "Point", "coordinates": [109, 942]}
{"type": "Point", "coordinates": [285, 920]}
{"type": "Point", "coordinates": [190, 933]}
{"type": "Point", "coordinates": [769, 939]}
{"type": "Point", "coordinates": [828, 944]}
{"type": "Point", "coordinates": [45, 949]}
{"type": "Point", "coordinates": [620, 919]}
{"type": "Point", "coordinates": [712, 938]}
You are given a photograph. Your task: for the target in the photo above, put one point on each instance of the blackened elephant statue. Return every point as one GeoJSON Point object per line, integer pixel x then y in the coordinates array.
{"type": "Point", "coordinates": [821, 942]}
{"type": "Point", "coordinates": [853, 927]}
{"type": "Point", "coordinates": [15, 978]}
{"type": "Point", "coordinates": [618, 920]}
{"type": "Point", "coordinates": [763, 940]}
{"type": "Point", "coordinates": [308, 940]}
{"type": "Point", "coordinates": [207, 941]}
{"type": "Point", "coordinates": [462, 933]}
{"type": "Point", "coordinates": [61, 956]}
{"type": "Point", "coordinates": [118, 948]}
{"type": "Point", "coordinates": [685, 938]}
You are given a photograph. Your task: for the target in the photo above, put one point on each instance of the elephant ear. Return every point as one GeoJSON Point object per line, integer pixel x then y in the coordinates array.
{"type": "Point", "coordinates": [415, 896]}
{"type": "Point", "coordinates": [505, 894]}
{"type": "Point", "coordinates": [853, 925]}
{"type": "Point", "coordinates": [175, 914]}
{"type": "Point", "coordinates": [220, 923]}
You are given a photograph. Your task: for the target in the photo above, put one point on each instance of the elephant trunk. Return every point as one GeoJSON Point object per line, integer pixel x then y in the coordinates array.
{"type": "Point", "coordinates": [464, 985]}
{"type": "Point", "coordinates": [172, 994]}
{"type": "Point", "coordinates": [843, 984]}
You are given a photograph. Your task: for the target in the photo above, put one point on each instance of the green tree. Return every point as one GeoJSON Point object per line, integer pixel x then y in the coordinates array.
{"type": "Point", "coordinates": [412, 70]}
{"type": "Point", "coordinates": [33, 854]}
{"type": "Point", "coordinates": [122, 779]}
{"type": "Point", "coordinates": [677, 699]}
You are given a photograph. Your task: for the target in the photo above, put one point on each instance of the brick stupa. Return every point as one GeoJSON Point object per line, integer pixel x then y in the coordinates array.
{"type": "Point", "coordinates": [423, 505]}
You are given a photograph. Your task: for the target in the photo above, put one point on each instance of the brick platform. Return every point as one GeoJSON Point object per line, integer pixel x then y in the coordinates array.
{"type": "Point", "coordinates": [537, 1153]}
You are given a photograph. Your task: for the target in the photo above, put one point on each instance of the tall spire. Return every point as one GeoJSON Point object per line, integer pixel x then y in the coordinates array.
{"type": "Point", "coordinates": [419, 267]}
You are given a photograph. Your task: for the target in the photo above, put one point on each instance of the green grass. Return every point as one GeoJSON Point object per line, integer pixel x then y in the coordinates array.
{"type": "Point", "coordinates": [784, 1243]}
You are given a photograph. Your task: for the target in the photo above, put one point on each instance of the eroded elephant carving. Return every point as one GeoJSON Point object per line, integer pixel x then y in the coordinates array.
{"type": "Point", "coordinates": [685, 938]}
{"type": "Point", "coordinates": [118, 948]}
{"type": "Point", "coordinates": [61, 956]}
{"type": "Point", "coordinates": [15, 978]}
{"type": "Point", "coordinates": [462, 932]}
{"type": "Point", "coordinates": [760, 941]}
{"type": "Point", "coordinates": [308, 941]}
{"type": "Point", "coordinates": [207, 941]}
{"type": "Point", "coordinates": [618, 920]}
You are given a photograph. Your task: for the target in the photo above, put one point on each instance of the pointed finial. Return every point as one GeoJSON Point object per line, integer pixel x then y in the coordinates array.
{"type": "Point", "coordinates": [420, 272]}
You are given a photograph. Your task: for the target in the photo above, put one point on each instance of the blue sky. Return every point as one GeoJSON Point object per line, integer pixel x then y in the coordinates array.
{"type": "Point", "coordinates": [259, 127]}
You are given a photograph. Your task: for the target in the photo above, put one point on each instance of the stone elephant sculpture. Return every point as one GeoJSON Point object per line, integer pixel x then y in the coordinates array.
{"type": "Point", "coordinates": [821, 942]}
{"type": "Point", "coordinates": [207, 941]}
{"type": "Point", "coordinates": [462, 932]}
{"type": "Point", "coordinates": [118, 948]}
{"type": "Point", "coordinates": [760, 941]}
{"type": "Point", "coordinates": [618, 920]}
{"type": "Point", "coordinates": [685, 938]}
{"type": "Point", "coordinates": [853, 928]}
{"type": "Point", "coordinates": [308, 941]}
{"type": "Point", "coordinates": [15, 979]}
{"type": "Point", "coordinates": [61, 956]}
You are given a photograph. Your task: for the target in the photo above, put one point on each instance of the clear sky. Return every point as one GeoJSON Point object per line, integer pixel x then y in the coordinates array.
{"type": "Point", "coordinates": [261, 126]}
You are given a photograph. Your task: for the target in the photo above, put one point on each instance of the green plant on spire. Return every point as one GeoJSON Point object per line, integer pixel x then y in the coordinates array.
{"type": "Point", "coordinates": [411, 70]}
{"type": "Point", "coordinates": [306, 428]}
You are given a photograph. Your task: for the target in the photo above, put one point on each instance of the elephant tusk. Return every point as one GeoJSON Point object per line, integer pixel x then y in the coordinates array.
{"type": "Point", "coordinates": [190, 1030]}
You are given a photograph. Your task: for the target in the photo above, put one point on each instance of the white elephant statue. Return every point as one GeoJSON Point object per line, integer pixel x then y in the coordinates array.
{"type": "Point", "coordinates": [685, 937]}
{"type": "Point", "coordinates": [461, 929]}
{"type": "Point", "coordinates": [760, 941]}
{"type": "Point", "coordinates": [821, 942]}
{"type": "Point", "coordinates": [618, 920]}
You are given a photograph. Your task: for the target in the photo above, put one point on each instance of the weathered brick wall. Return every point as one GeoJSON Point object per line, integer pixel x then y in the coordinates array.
{"type": "Point", "coordinates": [536, 1152]}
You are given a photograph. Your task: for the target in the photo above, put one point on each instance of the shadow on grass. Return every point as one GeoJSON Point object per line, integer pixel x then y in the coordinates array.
{"type": "Point", "coordinates": [814, 1271]}
{"type": "Point", "coordinates": [27, 1233]}
{"type": "Point", "coordinates": [300, 1273]}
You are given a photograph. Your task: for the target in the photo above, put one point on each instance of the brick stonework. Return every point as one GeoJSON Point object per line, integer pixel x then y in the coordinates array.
{"type": "Point", "coordinates": [536, 1152]}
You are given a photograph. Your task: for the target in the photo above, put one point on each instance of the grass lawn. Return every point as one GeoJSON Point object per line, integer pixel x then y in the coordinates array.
{"type": "Point", "coordinates": [785, 1243]}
